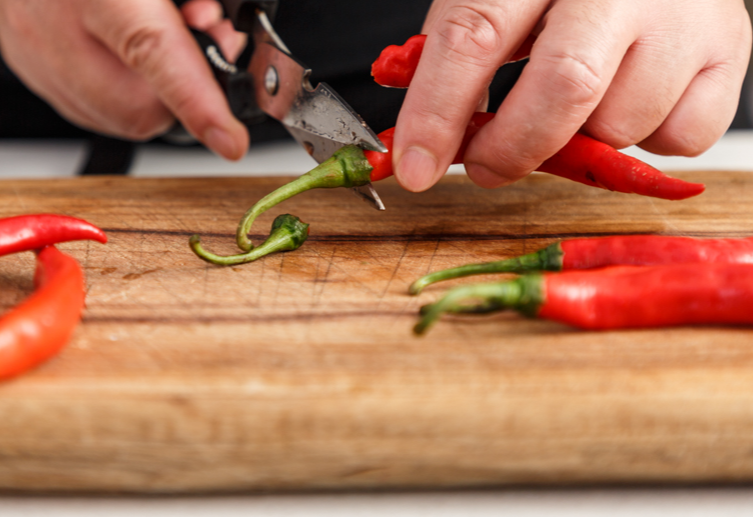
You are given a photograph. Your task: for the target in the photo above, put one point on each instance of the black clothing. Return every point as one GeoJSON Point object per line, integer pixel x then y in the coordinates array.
{"type": "Point", "coordinates": [337, 39]}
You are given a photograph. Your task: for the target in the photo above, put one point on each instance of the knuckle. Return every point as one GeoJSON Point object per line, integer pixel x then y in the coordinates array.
{"type": "Point", "coordinates": [617, 135]}
{"type": "Point", "coordinates": [509, 164]}
{"type": "Point", "coordinates": [144, 121]}
{"type": "Point", "coordinates": [575, 78]}
{"type": "Point", "coordinates": [471, 33]}
{"type": "Point", "coordinates": [689, 145]}
{"type": "Point", "coordinates": [673, 139]}
{"type": "Point", "coordinates": [139, 46]}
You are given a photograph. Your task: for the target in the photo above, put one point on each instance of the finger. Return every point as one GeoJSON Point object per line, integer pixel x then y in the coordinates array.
{"type": "Point", "coordinates": [573, 60]}
{"type": "Point", "coordinates": [230, 41]}
{"type": "Point", "coordinates": [709, 103]}
{"type": "Point", "coordinates": [202, 14]}
{"type": "Point", "coordinates": [150, 38]}
{"type": "Point", "coordinates": [644, 90]}
{"type": "Point", "coordinates": [708, 106]}
{"type": "Point", "coordinates": [464, 47]}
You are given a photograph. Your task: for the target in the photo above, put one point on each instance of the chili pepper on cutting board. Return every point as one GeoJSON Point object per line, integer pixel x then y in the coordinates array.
{"type": "Point", "coordinates": [616, 297]}
{"type": "Point", "coordinates": [29, 232]}
{"type": "Point", "coordinates": [596, 252]}
{"type": "Point", "coordinates": [39, 327]}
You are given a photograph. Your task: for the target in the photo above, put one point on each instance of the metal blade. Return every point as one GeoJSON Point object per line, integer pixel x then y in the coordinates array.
{"type": "Point", "coordinates": [311, 115]}
{"type": "Point", "coordinates": [368, 194]}
{"type": "Point", "coordinates": [318, 118]}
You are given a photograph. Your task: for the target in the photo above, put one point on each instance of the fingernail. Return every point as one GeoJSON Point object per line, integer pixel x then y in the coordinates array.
{"type": "Point", "coordinates": [221, 142]}
{"type": "Point", "coordinates": [417, 169]}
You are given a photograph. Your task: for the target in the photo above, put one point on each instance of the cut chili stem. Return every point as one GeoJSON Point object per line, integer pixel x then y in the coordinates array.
{"type": "Point", "coordinates": [348, 167]}
{"type": "Point", "coordinates": [547, 259]}
{"type": "Point", "coordinates": [524, 294]}
{"type": "Point", "coordinates": [288, 233]}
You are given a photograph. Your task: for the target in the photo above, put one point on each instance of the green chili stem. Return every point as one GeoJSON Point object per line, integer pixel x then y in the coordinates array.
{"type": "Point", "coordinates": [547, 259]}
{"type": "Point", "coordinates": [288, 233]}
{"type": "Point", "coordinates": [348, 167]}
{"type": "Point", "coordinates": [524, 294]}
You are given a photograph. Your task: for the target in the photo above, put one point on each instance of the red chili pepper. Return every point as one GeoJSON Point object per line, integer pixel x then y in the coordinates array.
{"type": "Point", "coordinates": [29, 232]}
{"type": "Point", "coordinates": [397, 64]}
{"type": "Point", "coordinates": [583, 159]}
{"type": "Point", "coordinates": [616, 297]}
{"type": "Point", "coordinates": [591, 253]}
{"type": "Point", "coordinates": [39, 327]}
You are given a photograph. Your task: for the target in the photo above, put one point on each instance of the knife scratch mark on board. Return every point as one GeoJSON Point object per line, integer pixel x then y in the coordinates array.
{"type": "Point", "coordinates": [433, 256]}
{"type": "Point", "coordinates": [279, 277]}
{"type": "Point", "coordinates": [394, 273]}
{"type": "Point", "coordinates": [318, 295]}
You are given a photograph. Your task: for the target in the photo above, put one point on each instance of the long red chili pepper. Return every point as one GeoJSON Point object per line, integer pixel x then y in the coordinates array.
{"type": "Point", "coordinates": [39, 327]}
{"type": "Point", "coordinates": [591, 253]}
{"type": "Point", "coordinates": [582, 159]}
{"type": "Point", "coordinates": [29, 232]}
{"type": "Point", "coordinates": [616, 297]}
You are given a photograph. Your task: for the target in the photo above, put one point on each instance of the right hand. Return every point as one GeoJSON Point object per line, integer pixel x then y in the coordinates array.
{"type": "Point", "coordinates": [126, 68]}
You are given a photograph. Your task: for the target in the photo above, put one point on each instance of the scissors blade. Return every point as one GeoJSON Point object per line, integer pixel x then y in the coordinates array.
{"type": "Point", "coordinates": [318, 118]}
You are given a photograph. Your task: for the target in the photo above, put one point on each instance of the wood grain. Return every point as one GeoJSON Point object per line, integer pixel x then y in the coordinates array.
{"type": "Point", "coordinates": [299, 372]}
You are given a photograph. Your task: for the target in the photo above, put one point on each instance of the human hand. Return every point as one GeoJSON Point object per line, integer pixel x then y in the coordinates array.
{"type": "Point", "coordinates": [124, 68]}
{"type": "Point", "coordinates": [663, 74]}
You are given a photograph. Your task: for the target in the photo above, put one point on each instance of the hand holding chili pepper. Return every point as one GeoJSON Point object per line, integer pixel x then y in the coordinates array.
{"type": "Point", "coordinates": [615, 297]}
{"type": "Point", "coordinates": [583, 159]}
{"type": "Point", "coordinates": [661, 74]}
{"type": "Point", "coordinates": [636, 250]}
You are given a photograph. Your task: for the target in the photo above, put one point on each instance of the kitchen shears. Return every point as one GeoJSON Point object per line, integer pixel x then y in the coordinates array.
{"type": "Point", "coordinates": [277, 84]}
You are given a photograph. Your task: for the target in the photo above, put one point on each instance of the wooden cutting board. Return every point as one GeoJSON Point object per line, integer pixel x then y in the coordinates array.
{"type": "Point", "coordinates": [300, 371]}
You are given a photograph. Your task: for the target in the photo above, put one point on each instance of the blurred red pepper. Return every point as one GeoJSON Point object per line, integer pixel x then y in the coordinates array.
{"type": "Point", "coordinates": [30, 232]}
{"type": "Point", "coordinates": [397, 64]}
{"type": "Point", "coordinates": [40, 326]}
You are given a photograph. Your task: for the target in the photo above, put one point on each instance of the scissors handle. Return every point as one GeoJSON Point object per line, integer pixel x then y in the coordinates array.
{"type": "Point", "coordinates": [237, 84]}
{"type": "Point", "coordinates": [242, 12]}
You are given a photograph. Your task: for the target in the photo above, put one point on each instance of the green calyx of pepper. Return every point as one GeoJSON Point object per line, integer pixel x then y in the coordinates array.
{"type": "Point", "coordinates": [288, 233]}
{"type": "Point", "coordinates": [347, 167]}
{"type": "Point", "coordinates": [524, 294]}
{"type": "Point", "coordinates": [547, 259]}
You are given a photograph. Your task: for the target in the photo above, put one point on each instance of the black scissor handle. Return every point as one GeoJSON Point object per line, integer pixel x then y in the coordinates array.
{"type": "Point", "coordinates": [242, 12]}
{"type": "Point", "coordinates": [237, 84]}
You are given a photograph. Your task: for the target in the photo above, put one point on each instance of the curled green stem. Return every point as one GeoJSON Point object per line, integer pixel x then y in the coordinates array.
{"type": "Point", "coordinates": [524, 294]}
{"type": "Point", "coordinates": [288, 233]}
{"type": "Point", "coordinates": [547, 259]}
{"type": "Point", "coordinates": [348, 167]}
